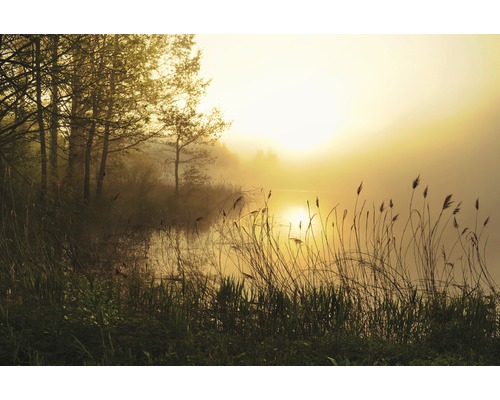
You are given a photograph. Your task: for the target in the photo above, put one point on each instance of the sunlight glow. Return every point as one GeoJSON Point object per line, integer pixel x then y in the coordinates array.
{"type": "Point", "coordinates": [341, 94]}
{"type": "Point", "coordinates": [295, 118]}
{"type": "Point", "coordinates": [295, 217]}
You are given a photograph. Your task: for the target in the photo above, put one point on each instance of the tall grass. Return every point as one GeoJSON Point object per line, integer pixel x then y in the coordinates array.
{"type": "Point", "coordinates": [375, 249]}
{"type": "Point", "coordinates": [399, 277]}
{"type": "Point", "coordinates": [376, 284]}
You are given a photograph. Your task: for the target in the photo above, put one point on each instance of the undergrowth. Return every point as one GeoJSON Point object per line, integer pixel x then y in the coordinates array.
{"type": "Point", "coordinates": [367, 287]}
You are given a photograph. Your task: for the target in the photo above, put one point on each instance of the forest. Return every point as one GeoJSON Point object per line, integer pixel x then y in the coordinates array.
{"type": "Point", "coordinates": [108, 154]}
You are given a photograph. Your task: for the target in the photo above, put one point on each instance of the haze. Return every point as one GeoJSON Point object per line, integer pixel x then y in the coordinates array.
{"type": "Point", "coordinates": [321, 113]}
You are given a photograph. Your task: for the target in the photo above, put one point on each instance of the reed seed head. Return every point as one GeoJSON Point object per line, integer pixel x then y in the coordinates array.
{"type": "Point", "coordinates": [238, 200]}
{"type": "Point", "coordinates": [457, 208]}
{"type": "Point", "coordinates": [447, 202]}
{"type": "Point", "coordinates": [416, 181]}
{"type": "Point", "coordinates": [360, 188]}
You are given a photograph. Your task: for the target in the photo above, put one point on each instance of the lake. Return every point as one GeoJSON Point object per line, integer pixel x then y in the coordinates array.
{"type": "Point", "coordinates": [293, 236]}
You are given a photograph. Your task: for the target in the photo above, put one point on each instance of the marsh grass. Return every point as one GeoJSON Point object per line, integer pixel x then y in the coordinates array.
{"type": "Point", "coordinates": [392, 277]}
{"type": "Point", "coordinates": [362, 287]}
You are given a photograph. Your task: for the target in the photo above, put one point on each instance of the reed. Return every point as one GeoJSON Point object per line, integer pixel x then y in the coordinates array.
{"type": "Point", "coordinates": [375, 285]}
{"type": "Point", "coordinates": [402, 277]}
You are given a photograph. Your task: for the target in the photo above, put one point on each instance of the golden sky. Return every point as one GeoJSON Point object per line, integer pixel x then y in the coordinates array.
{"type": "Point", "coordinates": [341, 109]}
{"type": "Point", "coordinates": [298, 94]}
{"type": "Point", "coordinates": [346, 108]}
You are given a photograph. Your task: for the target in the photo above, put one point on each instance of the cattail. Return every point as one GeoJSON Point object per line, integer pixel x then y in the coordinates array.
{"type": "Point", "coordinates": [391, 204]}
{"type": "Point", "coordinates": [455, 223]}
{"type": "Point", "coordinates": [486, 221]}
{"type": "Point", "coordinates": [382, 207]}
{"type": "Point", "coordinates": [360, 188]}
{"type": "Point", "coordinates": [317, 202]}
{"type": "Point", "coordinates": [395, 218]}
{"type": "Point", "coordinates": [416, 182]}
{"type": "Point", "coordinates": [477, 203]}
{"type": "Point", "coordinates": [447, 202]}
{"type": "Point", "coordinates": [425, 191]}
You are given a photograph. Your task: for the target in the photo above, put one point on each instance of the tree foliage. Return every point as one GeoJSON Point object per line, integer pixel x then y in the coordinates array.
{"type": "Point", "coordinates": [78, 102]}
{"type": "Point", "coordinates": [187, 130]}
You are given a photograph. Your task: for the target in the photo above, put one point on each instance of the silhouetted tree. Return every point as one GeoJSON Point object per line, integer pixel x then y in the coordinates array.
{"type": "Point", "coordinates": [98, 95]}
{"type": "Point", "coordinates": [18, 112]}
{"type": "Point", "coordinates": [187, 130]}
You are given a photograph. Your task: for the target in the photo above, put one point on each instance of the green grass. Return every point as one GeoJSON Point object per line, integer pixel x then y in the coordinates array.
{"type": "Point", "coordinates": [359, 288]}
{"type": "Point", "coordinates": [109, 323]}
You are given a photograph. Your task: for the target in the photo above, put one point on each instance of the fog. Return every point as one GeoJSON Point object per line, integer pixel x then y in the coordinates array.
{"type": "Point", "coordinates": [438, 121]}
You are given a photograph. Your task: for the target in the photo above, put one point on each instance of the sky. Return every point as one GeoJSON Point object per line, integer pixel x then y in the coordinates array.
{"type": "Point", "coordinates": [303, 94]}
{"type": "Point", "coordinates": [347, 108]}
{"type": "Point", "coordinates": [337, 110]}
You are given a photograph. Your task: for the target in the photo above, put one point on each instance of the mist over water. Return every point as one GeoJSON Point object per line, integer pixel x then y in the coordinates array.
{"type": "Point", "coordinates": [392, 109]}
{"type": "Point", "coordinates": [307, 227]}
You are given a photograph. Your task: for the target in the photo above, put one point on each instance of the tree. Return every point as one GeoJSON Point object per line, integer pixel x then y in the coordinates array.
{"type": "Point", "coordinates": [41, 124]}
{"type": "Point", "coordinates": [80, 86]}
{"type": "Point", "coordinates": [54, 109]}
{"type": "Point", "coordinates": [22, 85]}
{"type": "Point", "coordinates": [17, 106]}
{"type": "Point", "coordinates": [132, 90]}
{"type": "Point", "coordinates": [82, 98]}
{"type": "Point", "coordinates": [189, 134]}
{"type": "Point", "coordinates": [110, 88]}
{"type": "Point", "coordinates": [188, 131]}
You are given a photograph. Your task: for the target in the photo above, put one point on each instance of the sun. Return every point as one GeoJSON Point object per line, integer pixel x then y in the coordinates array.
{"type": "Point", "coordinates": [295, 217]}
{"type": "Point", "coordinates": [294, 120]}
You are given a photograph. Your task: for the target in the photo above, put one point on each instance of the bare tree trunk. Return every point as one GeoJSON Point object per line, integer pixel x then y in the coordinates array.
{"type": "Point", "coordinates": [54, 94]}
{"type": "Point", "coordinates": [176, 166]}
{"type": "Point", "coordinates": [41, 127]}
{"type": "Point", "coordinates": [76, 139]}
{"type": "Point", "coordinates": [107, 126]}
{"type": "Point", "coordinates": [96, 102]}
{"type": "Point", "coordinates": [88, 154]}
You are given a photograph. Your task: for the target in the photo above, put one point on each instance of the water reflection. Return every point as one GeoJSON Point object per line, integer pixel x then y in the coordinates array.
{"type": "Point", "coordinates": [292, 238]}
